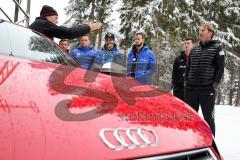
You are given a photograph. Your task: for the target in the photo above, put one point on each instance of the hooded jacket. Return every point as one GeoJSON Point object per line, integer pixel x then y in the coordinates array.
{"type": "Point", "coordinates": [145, 64]}
{"type": "Point", "coordinates": [113, 55]}
{"type": "Point", "coordinates": [84, 55]}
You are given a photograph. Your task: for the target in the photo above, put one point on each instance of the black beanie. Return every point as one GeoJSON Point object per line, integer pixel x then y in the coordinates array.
{"type": "Point", "coordinates": [47, 11]}
{"type": "Point", "coordinates": [109, 36]}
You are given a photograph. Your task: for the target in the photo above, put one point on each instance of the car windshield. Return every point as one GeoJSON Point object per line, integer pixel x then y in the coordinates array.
{"type": "Point", "coordinates": [24, 43]}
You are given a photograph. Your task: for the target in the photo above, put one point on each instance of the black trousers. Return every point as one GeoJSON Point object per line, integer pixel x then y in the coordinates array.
{"type": "Point", "coordinates": [204, 96]}
{"type": "Point", "coordinates": [178, 91]}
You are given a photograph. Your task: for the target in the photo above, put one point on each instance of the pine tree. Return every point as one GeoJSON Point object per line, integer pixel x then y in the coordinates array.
{"type": "Point", "coordinates": [175, 19]}
{"type": "Point", "coordinates": [81, 11]}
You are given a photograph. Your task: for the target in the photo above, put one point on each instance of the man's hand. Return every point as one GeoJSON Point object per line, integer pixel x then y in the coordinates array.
{"type": "Point", "coordinates": [95, 25]}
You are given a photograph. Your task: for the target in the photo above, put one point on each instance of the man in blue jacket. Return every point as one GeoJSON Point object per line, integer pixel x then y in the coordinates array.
{"type": "Point", "coordinates": [109, 52]}
{"type": "Point", "coordinates": [141, 60]}
{"type": "Point", "coordinates": [85, 53]}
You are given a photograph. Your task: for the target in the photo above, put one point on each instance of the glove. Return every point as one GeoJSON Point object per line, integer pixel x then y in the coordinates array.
{"type": "Point", "coordinates": [215, 86]}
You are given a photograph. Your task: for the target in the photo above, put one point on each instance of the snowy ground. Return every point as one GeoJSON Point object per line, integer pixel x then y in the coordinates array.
{"type": "Point", "coordinates": [228, 131]}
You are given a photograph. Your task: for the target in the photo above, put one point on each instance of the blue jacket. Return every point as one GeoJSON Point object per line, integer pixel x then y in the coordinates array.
{"type": "Point", "coordinates": [114, 55]}
{"type": "Point", "coordinates": [84, 55]}
{"type": "Point", "coordinates": [146, 64]}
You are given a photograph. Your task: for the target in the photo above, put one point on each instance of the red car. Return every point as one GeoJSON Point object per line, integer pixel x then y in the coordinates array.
{"type": "Point", "coordinates": [52, 109]}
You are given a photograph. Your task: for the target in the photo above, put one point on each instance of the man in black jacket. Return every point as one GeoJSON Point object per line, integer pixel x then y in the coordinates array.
{"type": "Point", "coordinates": [47, 25]}
{"type": "Point", "coordinates": [179, 67]}
{"type": "Point", "coordinates": [203, 74]}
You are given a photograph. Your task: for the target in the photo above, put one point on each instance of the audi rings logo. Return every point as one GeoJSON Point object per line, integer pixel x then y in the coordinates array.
{"type": "Point", "coordinates": [128, 138]}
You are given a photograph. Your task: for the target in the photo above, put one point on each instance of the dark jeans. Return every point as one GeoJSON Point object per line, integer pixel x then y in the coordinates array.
{"type": "Point", "coordinates": [204, 96]}
{"type": "Point", "coordinates": [178, 91]}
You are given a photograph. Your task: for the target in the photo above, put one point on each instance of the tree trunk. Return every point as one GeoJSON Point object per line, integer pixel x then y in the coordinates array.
{"type": "Point", "coordinates": [238, 89]}
{"type": "Point", "coordinates": [16, 12]}
{"type": "Point", "coordinates": [231, 85]}
{"type": "Point", "coordinates": [218, 101]}
{"type": "Point", "coordinates": [230, 96]}
{"type": "Point", "coordinates": [28, 12]}
{"type": "Point", "coordinates": [100, 38]}
{"type": "Point", "coordinates": [101, 18]}
{"type": "Point", "coordinates": [93, 18]}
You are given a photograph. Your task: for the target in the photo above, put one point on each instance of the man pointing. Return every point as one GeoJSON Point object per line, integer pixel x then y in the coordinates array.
{"type": "Point", "coordinates": [47, 25]}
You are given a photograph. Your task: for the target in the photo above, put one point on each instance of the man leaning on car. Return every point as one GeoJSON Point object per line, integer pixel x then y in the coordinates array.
{"type": "Point", "coordinates": [47, 25]}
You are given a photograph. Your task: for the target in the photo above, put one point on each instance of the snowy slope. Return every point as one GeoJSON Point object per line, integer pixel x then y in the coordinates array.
{"type": "Point", "coordinates": [228, 131]}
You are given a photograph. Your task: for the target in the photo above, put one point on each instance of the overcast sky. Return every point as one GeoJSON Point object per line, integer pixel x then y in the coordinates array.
{"type": "Point", "coordinates": [36, 5]}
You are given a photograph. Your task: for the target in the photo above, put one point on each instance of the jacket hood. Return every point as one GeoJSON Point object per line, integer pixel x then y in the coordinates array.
{"type": "Point", "coordinates": [42, 20]}
{"type": "Point", "coordinates": [211, 42]}
{"type": "Point", "coordinates": [114, 49]}
{"type": "Point", "coordinates": [89, 47]}
{"type": "Point", "coordinates": [182, 55]}
{"type": "Point", "coordinates": [144, 48]}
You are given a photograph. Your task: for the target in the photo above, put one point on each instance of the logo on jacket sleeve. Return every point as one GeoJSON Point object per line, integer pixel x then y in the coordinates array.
{"type": "Point", "coordinates": [221, 53]}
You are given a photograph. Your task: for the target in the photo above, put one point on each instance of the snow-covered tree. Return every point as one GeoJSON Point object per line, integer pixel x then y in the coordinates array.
{"type": "Point", "coordinates": [172, 20]}
{"type": "Point", "coordinates": [81, 11]}
{"type": "Point", "coordinates": [168, 22]}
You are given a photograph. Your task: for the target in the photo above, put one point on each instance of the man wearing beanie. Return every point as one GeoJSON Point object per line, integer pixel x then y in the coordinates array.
{"type": "Point", "coordinates": [47, 25]}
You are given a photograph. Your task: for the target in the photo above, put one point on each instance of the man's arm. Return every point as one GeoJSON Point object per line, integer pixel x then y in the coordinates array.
{"type": "Point", "coordinates": [152, 64]}
{"type": "Point", "coordinates": [129, 64]}
{"type": "Point", "coordinates": [187, 70]}
{"type": "Point", "coordinates": [62, 32]}
{"type": "Point", "coordinates": [174, 72]}
{"type": "Point", "coordinates": [219, 64]}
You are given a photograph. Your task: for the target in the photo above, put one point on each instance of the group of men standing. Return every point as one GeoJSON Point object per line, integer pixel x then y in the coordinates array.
{"type": "Point", "coordinates": [197, 71]}
{"type": "Point", "coordinates": [141, 61]}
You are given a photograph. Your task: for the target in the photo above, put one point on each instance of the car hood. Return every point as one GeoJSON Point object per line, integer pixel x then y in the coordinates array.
{"type": "Point", "coordinates": [51, 111]}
